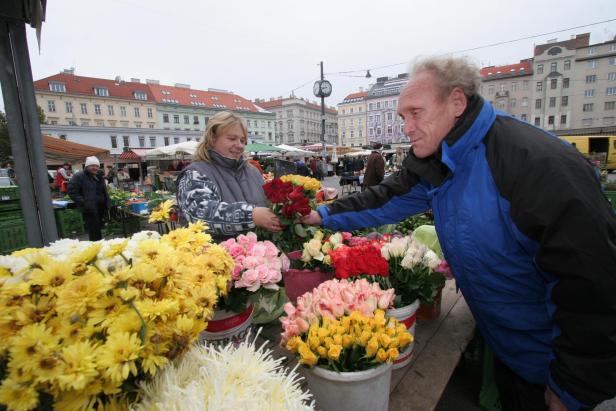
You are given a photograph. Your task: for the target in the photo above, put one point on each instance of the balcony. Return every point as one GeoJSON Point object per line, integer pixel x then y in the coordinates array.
{"type": "Point", "coordinates": [502, 94]}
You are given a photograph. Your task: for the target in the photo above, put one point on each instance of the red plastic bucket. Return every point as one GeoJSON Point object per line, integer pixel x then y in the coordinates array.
{"type": "Point", "coordinates": [227, 326]}
{"type": "Point", "coordinates": [299, 282]}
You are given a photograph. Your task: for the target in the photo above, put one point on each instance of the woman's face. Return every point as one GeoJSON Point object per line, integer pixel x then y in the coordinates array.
{"type": "Point", "coordinates": [231, 142]}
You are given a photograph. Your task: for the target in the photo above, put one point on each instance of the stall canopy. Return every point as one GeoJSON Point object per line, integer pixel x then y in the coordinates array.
{"type": "Point", "coordinates": [61, 151]}
{"type": "Point", "coordinates": [185, 147]}
{"type": "Point", "coordinates": [133, 155]}
{"type": "Point", "coordinates": [258, 147]}
{"type": "Point", "coordinates": [293, 150]}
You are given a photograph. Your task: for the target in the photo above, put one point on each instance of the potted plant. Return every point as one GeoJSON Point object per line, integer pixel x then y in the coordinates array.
{"type": "Point", "coordinates": [341, 332]}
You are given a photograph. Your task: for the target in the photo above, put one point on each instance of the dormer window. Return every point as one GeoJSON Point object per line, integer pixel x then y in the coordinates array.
{"type": "Point", "coordinates": [101, 91]}
{"type": "Point", "coordinates": [165, 92]}
{"type": "Point", "coordinates": [57, 87]}
{"type": "Point", "coordinates": [140, 95]}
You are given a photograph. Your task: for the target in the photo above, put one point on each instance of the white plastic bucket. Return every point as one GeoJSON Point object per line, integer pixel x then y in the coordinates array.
{"type": "Point", "coordinates": [407, 316]}
{"type": "Point", "coordinates": [350, 391]}
{"type": "Point", "coordinates": [227, 326]}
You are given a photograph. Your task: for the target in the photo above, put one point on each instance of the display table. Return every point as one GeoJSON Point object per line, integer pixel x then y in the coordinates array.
{"type": "Point", "coordinates": [439, 345]}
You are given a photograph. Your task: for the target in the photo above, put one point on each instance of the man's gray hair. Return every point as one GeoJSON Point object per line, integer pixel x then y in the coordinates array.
{"type": "Point", "coordinates": [450, 72]}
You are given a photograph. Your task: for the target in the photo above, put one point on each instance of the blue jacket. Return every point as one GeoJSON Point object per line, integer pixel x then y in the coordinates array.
{"type": "Point", "coordinates": [531, 241]}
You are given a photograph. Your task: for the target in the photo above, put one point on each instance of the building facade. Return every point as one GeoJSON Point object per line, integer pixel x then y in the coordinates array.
{"type": "Point", "coordinates": [298, 121]}
{"type": "Point", "coordinates": [352, 120]}
{"type": "Point", "coordinates": [383, 123]}
{"type": "Point", "coordinates": [508, 88]}
{"type": "Point", "coordinates": [67, 99]}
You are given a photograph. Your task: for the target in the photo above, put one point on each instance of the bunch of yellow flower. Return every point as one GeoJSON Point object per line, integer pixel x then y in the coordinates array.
{"type": "Point", "coordinates": [309, 183]}
{"type": "Point", "coordinates": [162, 212]}
{"type": "Point", "coordinates": [352, 342]}
{"type": "Point", "coordinates": [84, 323]}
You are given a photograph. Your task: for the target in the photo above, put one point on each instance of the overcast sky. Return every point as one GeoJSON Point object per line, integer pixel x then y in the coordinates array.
{"type": "Point", "coordinates": [266, 48]}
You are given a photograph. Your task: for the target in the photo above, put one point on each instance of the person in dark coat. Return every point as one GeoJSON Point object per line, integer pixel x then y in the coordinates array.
{"type": "Point", "coordinates": [375, 167]}
{"type": "Point", "coordinates": [88, 190]}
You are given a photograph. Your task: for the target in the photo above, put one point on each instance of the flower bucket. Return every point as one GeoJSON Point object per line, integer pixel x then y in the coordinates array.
{"type": "Point", "coordinates": [350, 391]}
{"type": "Point", "coordinates": [407, 316]}
{"type": "Point", "coordinates": [227, 326]}
{"type": "Point", "coordinates": [431, 310]}
{"type": "Point", "coordinates": [299, 282]}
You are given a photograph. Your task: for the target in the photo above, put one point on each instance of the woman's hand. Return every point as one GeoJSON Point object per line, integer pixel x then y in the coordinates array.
{"type": "Point", "coordinates": [314, 218]}
{"type": "Point", "coordinates": [553, 402]}
{"type": "Point", "coordinates": [265, 218]}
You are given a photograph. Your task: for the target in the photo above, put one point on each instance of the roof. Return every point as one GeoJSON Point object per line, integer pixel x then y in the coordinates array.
{"type": "Point", "coordinates": [360, 95]}
{"type": "Point", "coordinates": [186, 96]}
{"type": "Point", "coordinates": [85, 86]}
{"type": "Point", "coordinates": [580, 40]}
{"type": "Point", "coordinates": [523, 68]}
{"type": "Point", "coordinates": [133, 154]}
{"type": "Point", "coordinates": [277, 103]}
{"type": "Point", "coordinates": [63, 150]}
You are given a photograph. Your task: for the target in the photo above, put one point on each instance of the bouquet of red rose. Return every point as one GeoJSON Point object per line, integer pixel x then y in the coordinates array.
{"type": "Point", "coordinates": [362, 259]}
{"type": "Point", "coordinates": [291, 198]}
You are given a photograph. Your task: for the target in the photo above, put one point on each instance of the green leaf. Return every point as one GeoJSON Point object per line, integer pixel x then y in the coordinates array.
{"type": "Point", "coordinates": [300, 230]}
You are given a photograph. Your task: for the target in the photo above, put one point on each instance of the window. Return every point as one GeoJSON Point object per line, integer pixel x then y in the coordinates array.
{"type": "Point", "coordinates": [51, 106]}
{"type": "Point", "coordinates": [552, 101]}
{"type": "Point", "coordinates": [140, 95]}
{"type": "Point", "coordinates": [610, 91]}
{"type": "Point", "coordinates": [553, 83]}
{"type": "Point", "coordinates": [566, 82]}
{"type": "Point", "coordinates": [68, 106]}
{"type": "Point", "coordinates": [567, 65]}
{"type": "Point", "coordinates": [122, 111]}
{"type": "Point", "coordinates": [57, 87]}
{"type": "Point", "coordinates": [550, 120]}
{"type": "Point", "coordinates": [176, 140]}
{"type": "Point", "coordinates": [150, 114]}
{"type": "Point", "coordinates": [514, 86]}
{"type": "Point", "coordinates": [588, 107]}
{"type": "Point", "coordinates": [523, 117]}
{"type": "Point", "coordinates": [72, 123]}
{"type": "Point", "coordinates": [564, 101]}
{"type": "Point", "coordinates": [591, 79]}
{"type": "Point", "coordinates": [176, 119]}
{"type": "Point", "coordinates": [592, 50]}
{"type": "Point", "coordinates": [114, 141]}
{"type": "Point", "coordinates": [371, 106]}
{"type": "Point", "coordinates": [609, 105]}
{"type": "Point", "coordinates": [608, 121]}
{"type": "Point", "coordinates": [125, 141]}
{"type": "Point", "coordinates": [371, 131]}
{"type": "Point", "coordinates": [196, 121]}
{"type": "Point", "coordinates": [611, 61]}
{"type": "Point", "coordinates": [165, 118]}
{"type": "Point", "coordinates": [166, 140]}
{"type": "Point", "coordinates": [539, 86]}
{"type": "Point", "coordinates": [141, 141]}
{"type": "Point", "coordinates": [97, 109]}
{"type": "Point", "coordinates": [152, 141]}
{"type": "Point", "coordinates": [490, 89]}
{"type": "Point", "coordinates": [378, 105]}
{"type": "Point", "coordinates": [589, 92]}
{"type": "Point", "coordinates": [512, 103]}
{"type": "Point", "coordinates": [587, 122]}
{"type": "Point", "coordinates": [591, 64]}
{"type": "Point", "coordinates": [186, 119]}
{"type": "Point", "coordinates": [85, 123]}
{"type": "Point", "coordinates": [611, 76]}
{"type": "Point", "coordinates": [136, 109]}
{"type": "Point", "coordinates": [613, 47]}
{"type": "Point", "coordinates": [537, 121]}
{"type": "Point", "coordinates": [390, 116]}
{"type": "Point", "coordinates": [101, 91]}
{"type": "Point", "coordinates": [525, 84]}
{"type": "Point", "coordinates": [501, 87]}
{"type": "Point", "coordinates": [389, 130]}
{"type": "Point", "coordinates": [538, 103]}
{"type": "Point", "coordinates": [563, 119]}
{"type": "Point", "coordinates": [110, 110]}
{"type": "Point", "coordinates": [539, 68]}
{"type": "Point", "coordinates": [524, 101]}
{"type": "Point", "coordinates": [84, 108]}
{"type": "Point", "coordinates": [378, 131]}
{"type": "Point", "coordinates": [553, 67]}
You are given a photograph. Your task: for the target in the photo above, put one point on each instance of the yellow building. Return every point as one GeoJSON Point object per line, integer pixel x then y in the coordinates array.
{"type": "Point", "coordinates": [352, 130]}
{"type": "Point", "coordinates": [67, 99]}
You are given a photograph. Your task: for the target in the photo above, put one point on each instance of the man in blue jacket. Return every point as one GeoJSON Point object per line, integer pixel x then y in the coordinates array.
{"type": "Point", "coordinates": [525, 227]}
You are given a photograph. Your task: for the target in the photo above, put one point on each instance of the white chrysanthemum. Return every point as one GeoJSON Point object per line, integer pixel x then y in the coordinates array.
{"type": "Point", "coordinates": [14, 264]}
{"type": "Point", "coordinates": [134, 241]}
{"type": "Point", "coordinates": [66, 248]}
{"type": "Point", "coordinates": [226, 378]}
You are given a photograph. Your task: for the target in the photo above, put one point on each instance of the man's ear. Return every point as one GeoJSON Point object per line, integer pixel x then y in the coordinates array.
{"type": "Point", "coordinates": [459, 101]}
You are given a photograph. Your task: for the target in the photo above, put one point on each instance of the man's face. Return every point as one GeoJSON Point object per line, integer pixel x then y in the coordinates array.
{"type": "Point", "coordinates": [427, 115]}
{"type": "Point", "coordinates": [93, 169]}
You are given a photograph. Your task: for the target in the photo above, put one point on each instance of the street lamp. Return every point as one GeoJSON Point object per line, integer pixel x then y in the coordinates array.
{"type": "Point", "coordinates": [322, 88]}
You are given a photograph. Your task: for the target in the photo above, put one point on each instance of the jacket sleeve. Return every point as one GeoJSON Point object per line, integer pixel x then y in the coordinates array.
{"type": "Point", "coordinates": [556, 200]}
{"type": "Point", "coordinates": [199, 199]}
{"type": "Point", "coordinates": [74, 189]}
{"type": "Point", "coordinates": [397, 197]}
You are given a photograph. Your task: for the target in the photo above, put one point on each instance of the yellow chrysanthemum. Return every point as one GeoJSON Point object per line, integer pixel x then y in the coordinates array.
{"type": "Point", "coordinates": [116, 249]}
{"type": "Point", "coordinates": [18, 396]}
{"type": "Point", "coordinates": [126, 322]}
{"type": "Point", "coordinates": [88, 255]}
{"type": "Point", "coordinates": [30, 344]}
{"type": "Point", "coordinates": [52, 274]}
{"type": "Point", "coordinates": [162, 212]}
{"type": "Point", "coordinates": [117, 357]}
{"type": "Point", "coordinates": [24, 252]}
{"type": "Point", "coordinates": [80, 293]}
{"type": "Point", "coordinates": [153, 309]}
{"type": "Point", "coordinates": [152, 360]}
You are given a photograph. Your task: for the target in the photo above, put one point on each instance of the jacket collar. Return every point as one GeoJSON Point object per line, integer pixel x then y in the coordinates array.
{"type": "Point", "coordinates": [227, 162]}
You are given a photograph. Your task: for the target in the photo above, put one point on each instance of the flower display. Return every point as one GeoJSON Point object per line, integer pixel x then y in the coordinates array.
{"type": "Point", "coordinates": [226, 378]}
{"type": "Point", "coordinates": [258, 267]}
{"type": "Point", "coordinates": [84, 322]}
{"type": "Point", "coordinates": [333, 299]}
{"type": "Point", "coordinates": [308, 183]}
{"type": "Point", "coordinates": [315, 252]}
{"type": "Point", "coordinates": [353, 342]}
{"type": "Point", "coordinates": [364, 258]}
{"type": "Point", "coordinates": [163, 212]}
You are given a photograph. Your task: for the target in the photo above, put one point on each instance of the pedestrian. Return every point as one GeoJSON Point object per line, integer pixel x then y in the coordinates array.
{"type": "Point", "coordinates": [63, 175]}
{"type": "Point", "coordinates": [255, 163]}
{"type": "Point", "coordinates": [111, 175]}
{"type": "Point", "coordinates": [87, 189]}
{"type": "Point", "coordinates": [300, 167]}
{"type": "Point", "coordinates": [525, 227]}
{"type": "Point", "coordinates": [375, 167]}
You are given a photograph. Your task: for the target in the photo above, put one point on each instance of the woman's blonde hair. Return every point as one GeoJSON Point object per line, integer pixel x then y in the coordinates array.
{"type": "Point", "coordinates": [215, 126]}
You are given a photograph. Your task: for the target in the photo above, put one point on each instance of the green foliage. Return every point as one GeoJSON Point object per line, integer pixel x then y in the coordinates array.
{"type": "Point", "coordinates": [410, 224]}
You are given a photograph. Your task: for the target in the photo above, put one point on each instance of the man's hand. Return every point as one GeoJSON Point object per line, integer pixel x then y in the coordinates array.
{"type": "Point", "coordinates": [313, 218]}
{"type": "Point", "coordinates": [553, 402]}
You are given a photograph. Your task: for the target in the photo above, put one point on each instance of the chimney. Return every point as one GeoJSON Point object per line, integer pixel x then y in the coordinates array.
{"type": "Point", "coordinates": [361, 89]}
{"type": "Point", "coordinates": [135, 80]}
{"type": "Point", "coordinates": [182, 85]}
{"type": "Point", "coordinates": [70, 71]}
{"type": "Point", "coordinates": [148, 81]}
{"type": "Point", "coordinates": [118, 79]}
